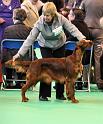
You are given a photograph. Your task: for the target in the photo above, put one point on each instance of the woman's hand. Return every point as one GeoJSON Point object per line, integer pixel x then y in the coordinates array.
{"type": "Point", "coordinates": [16, 57]}
{"type": "Point", "coordinates": [84, 40]}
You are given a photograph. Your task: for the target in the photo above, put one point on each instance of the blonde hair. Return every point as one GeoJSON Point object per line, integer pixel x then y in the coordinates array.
{"type": "Point", "coordinates": [49, 7]}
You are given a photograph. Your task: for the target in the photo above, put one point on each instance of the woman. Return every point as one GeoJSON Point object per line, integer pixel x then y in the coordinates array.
{"type": "Point", "coordinates": [51, 37]}
{"type": "Point", "coordinates": [6, 12]}
{"type": "Point", "coordinates": [32, 8]}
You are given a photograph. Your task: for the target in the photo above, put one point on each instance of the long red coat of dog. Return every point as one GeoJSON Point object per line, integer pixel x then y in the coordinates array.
{"type": "Point", "coordinates": [63, 70]}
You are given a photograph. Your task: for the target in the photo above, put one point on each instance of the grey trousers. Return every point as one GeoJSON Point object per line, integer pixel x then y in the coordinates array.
{"type": "Point", "coordinates": [97, 35]}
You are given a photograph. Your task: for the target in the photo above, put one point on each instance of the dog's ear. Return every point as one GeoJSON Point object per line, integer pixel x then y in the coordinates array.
{"type": "Point", "coordinates": [9, 64]}
{"type": "Point", "coordinates": [80, 43]}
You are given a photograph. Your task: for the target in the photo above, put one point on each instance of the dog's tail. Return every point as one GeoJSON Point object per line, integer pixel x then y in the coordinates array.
{"type": "Point", "coordinates": [19, 66]}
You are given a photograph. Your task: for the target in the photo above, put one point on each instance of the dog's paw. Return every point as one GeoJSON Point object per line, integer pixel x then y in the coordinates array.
{"type": "Point", "coordinates": [25, 99]}
{"type": "Point", "coordinates": [75, 100]}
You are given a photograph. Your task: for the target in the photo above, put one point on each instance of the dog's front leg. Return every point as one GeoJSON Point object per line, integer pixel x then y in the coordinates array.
{"type": "Point", "coordinates": [70, 91]}
{"type": "Point", "coordinates": [67, 88]}
{"type": "Point", "coordinates": [24, 89]}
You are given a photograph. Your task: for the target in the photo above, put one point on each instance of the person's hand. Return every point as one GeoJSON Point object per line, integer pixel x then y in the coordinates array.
{"type": "Point", "coordinates": [16, 57]}
{"type": "Point", "coordinates": [2, 20]}
{"type": "Point", "coordinates": [84, 40]}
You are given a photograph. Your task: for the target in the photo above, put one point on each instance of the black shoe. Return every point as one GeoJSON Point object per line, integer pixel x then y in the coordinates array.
{"type": "Point", "coordinates": [43, 98]}
{"type": "Point", "coordinates": [61, 98]}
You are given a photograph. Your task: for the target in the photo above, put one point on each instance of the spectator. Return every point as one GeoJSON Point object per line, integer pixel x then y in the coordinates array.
{"type": "Point", "coordinates": [65, 12]}
{"type": "Point", "coordinates": [6, 11]}
{"type": "Point", "coordinates": [32, 8]}
{"type": "Point", "coordinates": [17, 31]}
{"type": "Point", "coordinates": [101, 58]}
{"type": "Point", "coordinates": [51, 37]}
{"type": "Point", "coordinates": [58, 3]}
{"type": "Point", "coordinates": [77, 3]}
{"type": "Point", "coordinates": [94, 11]}
{"type": "Point", "coordinates": [73, 3]}
{"type": "Point", "coordinates": [69, 3]}
{"type": "Point", "coordinates": [77, 18]}
{"type": "Point", "coordinates": [21, 1]}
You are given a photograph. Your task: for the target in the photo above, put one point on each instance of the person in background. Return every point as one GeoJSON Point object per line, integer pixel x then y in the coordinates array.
{"type": "Point", "coordinates": [72, 3]}
{"type": "Point", "coordinates": [76, 16]}
{"type": "Point", "coordinates": [6, 12]}
{"type": "Point", "coordinates": [94, 11]}
{"type": "Point", "coordinates": [21, 1]}
{"type": "Point", "coordinates": [101, 58]}
{"type": "Point", "coordinates": [65, 12]}
{"type": "Point", "coordinates": [69, 3]}
{"type": "Point", "coordinates": [32, 8]}
{"type": "Point", "coordinates": [58, 3]}
{"type": "Point", "coordinates": [50, 35]}
{"type": "Point", "coordinates": [16, 31]}
{"type": "Point", "coordinates": [76, 3]}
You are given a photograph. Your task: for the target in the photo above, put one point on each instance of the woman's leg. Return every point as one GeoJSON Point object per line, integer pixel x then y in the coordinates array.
{"type": "Point", "coordinates": [45, 90]}
{"type": "Point", "coordinates": [59, 87]}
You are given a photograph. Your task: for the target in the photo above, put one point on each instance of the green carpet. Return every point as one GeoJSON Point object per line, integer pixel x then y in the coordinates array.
{"type": "Point", "coordinates": [88, 111]}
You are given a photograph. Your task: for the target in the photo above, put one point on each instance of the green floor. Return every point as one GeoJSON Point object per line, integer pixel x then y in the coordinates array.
{"type": "Point", "coordinates": [88, 111]}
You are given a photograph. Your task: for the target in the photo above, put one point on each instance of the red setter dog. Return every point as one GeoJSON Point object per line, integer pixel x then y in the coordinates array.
{"type": "Point", "coordinates": [47, 69]}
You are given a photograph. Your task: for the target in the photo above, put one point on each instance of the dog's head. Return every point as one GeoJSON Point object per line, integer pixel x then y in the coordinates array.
{"type": "Point", "coordinates": [9, 64]}
{"type": "Point", "coordinates": [19, 66]}
{"type": "Point", "coordinates": [81, 47]}
{"type": "Point", "coordinates": [85, 43]}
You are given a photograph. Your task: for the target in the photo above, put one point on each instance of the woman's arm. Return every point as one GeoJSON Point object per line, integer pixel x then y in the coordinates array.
{"type": "Point", "coordinates": [29, 41]}
{"type": "Point", "coordinates": [72, 29]}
